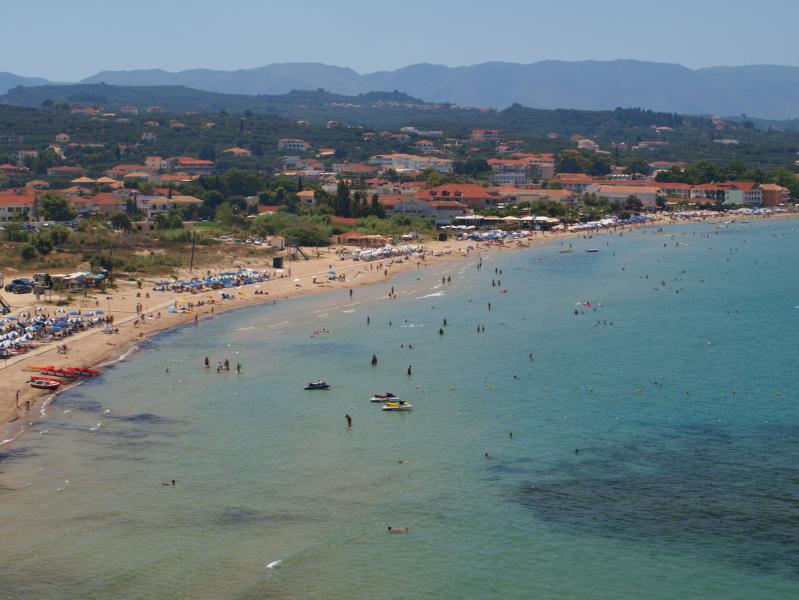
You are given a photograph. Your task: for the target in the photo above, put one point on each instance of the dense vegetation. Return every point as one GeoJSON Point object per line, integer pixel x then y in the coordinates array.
{"type": "Point", "coordinates": [256, 122]}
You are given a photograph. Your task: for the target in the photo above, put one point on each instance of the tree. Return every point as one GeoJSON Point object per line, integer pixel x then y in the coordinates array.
{"type": "Point", "coordinates": [633, 203]}
{"type": "Point", "coordinates": [377, 209]}
{"type": "Point", "coordinates": [473, 167]}
{"type": "Point", "coordinates": [171, 220]}
{"type": "Point", "coordinates": [27, 252]}
{"type": "Point", "coordinates": [59, 235]}
{"type": "Point", "coordinates": [229, 215]}
{"type": "Point", "coordinates": [238, 182]}
{"type": "Point", "coordinates": [638, 165]}
{"type": "Point", "coordinates": [121, 221]}
{"type": "Point", "coordinates": [42, 244]}
{"type": "Point", "coordinates": [56, 207]}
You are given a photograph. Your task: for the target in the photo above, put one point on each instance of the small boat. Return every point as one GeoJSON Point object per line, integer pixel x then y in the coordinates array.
{"type": "Point", "coordinates": [46, 378]}
{"type": "Point", "coordinates": [317, 385]}
{"type": "Point", "coordinates": [399, 405]}
{"type": "Point", "coordinates": [565, 251]}
{"type": "Point", "coordinates": [387, 397]}
{"type": "Point", "coordinates": [44, 384]}
{"type": "Point", "coordinates": [592, 250]}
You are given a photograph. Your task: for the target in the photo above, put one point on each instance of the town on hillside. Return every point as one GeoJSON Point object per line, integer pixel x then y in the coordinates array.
{"type": "Point", "coordinates": [77, 179]}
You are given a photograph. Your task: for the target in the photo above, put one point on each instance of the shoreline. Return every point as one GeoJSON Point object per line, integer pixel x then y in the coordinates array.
{"type": "Point", "coordinates": [90, 351]}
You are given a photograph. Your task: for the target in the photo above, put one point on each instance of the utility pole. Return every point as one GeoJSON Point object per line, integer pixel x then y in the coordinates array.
{"type": "Point", "coordinates": [193, 241]}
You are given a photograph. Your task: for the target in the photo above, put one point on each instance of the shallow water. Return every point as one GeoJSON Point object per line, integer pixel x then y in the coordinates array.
{"type": "Point", "coordinates": [684, 411]}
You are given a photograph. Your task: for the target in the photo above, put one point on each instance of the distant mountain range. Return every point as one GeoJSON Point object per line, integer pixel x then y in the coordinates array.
{"type": "Point", "coordinates": [763, 91]}
{"type": "Point", "coordinates": [9, 80]}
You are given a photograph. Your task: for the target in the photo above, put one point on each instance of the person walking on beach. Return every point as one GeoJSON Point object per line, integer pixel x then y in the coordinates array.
{"type": "Point", "coordinates": [349, 420]}
{"type": "Point", "coordinates": [227, 365]}
{"type": "Point", "coordinates": [218, 366]}
{"type": "Point", "coordinates": [238, 368]}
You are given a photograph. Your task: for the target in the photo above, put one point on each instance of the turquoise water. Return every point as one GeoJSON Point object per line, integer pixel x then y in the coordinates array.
{"type": "Point", "coordinates": [682, 401]}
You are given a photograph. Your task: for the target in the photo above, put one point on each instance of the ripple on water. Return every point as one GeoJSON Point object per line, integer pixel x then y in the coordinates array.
{"type": "Point", "coordinates": [734, 497]}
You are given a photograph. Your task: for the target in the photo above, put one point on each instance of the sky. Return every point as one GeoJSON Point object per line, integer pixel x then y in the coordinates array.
{"type": "Point", "coordinates": [67, 41]}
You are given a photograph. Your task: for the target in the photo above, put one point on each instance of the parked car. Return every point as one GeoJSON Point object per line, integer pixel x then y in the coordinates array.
{"type": "Point", "coordinates": [23, 285]}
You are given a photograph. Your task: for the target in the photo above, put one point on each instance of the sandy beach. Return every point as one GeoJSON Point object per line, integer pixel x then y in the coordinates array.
{"type": "Point", "coordinates": [93, 348]}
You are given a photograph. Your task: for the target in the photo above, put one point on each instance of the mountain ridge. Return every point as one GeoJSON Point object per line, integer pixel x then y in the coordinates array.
{"type": "Point", "coordinates": [764, 91]}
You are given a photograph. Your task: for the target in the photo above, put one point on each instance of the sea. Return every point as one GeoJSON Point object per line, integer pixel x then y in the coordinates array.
{"type": "Point", "coordinates": [624, 425]}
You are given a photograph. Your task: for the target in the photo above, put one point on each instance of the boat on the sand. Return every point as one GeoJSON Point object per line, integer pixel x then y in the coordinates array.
{"type": "Point", "coordinates": [44, 384]}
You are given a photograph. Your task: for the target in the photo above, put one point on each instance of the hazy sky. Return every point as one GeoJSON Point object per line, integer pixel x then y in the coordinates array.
{"type": "Point", "coordinates": [66, 41]}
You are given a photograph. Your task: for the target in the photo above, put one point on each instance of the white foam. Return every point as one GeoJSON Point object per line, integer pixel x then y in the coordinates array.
{"type": "Point", "coordinates": [274, 565]}
{"type": "Point", "coordinates": [433, 295]}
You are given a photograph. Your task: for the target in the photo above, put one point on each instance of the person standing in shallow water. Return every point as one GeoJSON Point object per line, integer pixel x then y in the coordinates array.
{"type": "Point", "coordinates": [410, 369]}
{"type": "Point", "coordinates": [349, 420]}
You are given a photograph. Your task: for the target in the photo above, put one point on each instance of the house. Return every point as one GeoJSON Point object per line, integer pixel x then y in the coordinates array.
{"type": "Point", "coordinates": [587, 145]}
{"type": "Point", "coordinates": [410, 162]}
{"type": "Point", "coordinates": [651, 145]}
{"type": "Point", "coordinates": [516, 195]}
{"type": "Point", "coordinates": [62, 137]}
{"type": "Point", "coordinates": [177, 178]}
{"type": "Point", "coordinates": [14, 204]}
{"type": "Point", "coordinates": [774, 195]}
{"type": "Point", "coordinates": [37, 184]}
{"type": "Point", "coordinates": [473, 195]}
{"type": "Point", "coordinates": [154, 110]}
{"type": "Point", "coordinates": [153, 205]}
{"type": "Point", "coordinates": [354, 169]}
{"type": "Point", "coordinates": [647, 195]}
{"type": "Point", "coordinates": [479, 136]}
{"type": "Point", "coordinates": [425, 147]}
{"type": "Point", "coordinates": [155, 164]}
{"type": "Point", "coordinates": [129, 110]}
{"type": "Point", "coordinates": [238, 152]}
{"type": "Point", "coordinates": [66, 171]}
{"type": "Point", "coordinates": [83, 182]}
{"type": "Point", "coordinates": [149, 136]}
{"type": "Point", "coordinates": [441, 211]}
{"type": "Point", "coordinates": [292, 145]}
{"type": "Point", "coordinates": [23, 154]}
{"type": "Point", "coordinates": [193, 166]}
{"type": "Point", "coordinates": [519, 168]}
{"type": "Point", "coordinates": [307, 197]}
{"type": "Point", "coordinates": [106, 204]}
{"type": "Point", "coordinates": [363, 240]}
{"type": "Point", "coordinates": [109, 182]}
{"type": "Point", "coordinates": [12, 170]}
{"type": "Point", "coordinates": [678, 191]}
{"type": "Point", "coordinates": [84, 110]}
{"type": "Point", "coordinates": [120, 171]}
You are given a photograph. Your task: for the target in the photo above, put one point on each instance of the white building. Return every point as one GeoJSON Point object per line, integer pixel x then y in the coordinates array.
{"type": "Point", "coordinates": [292, 145]}
{"type": "Point", "coordinates": [411, 162]}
